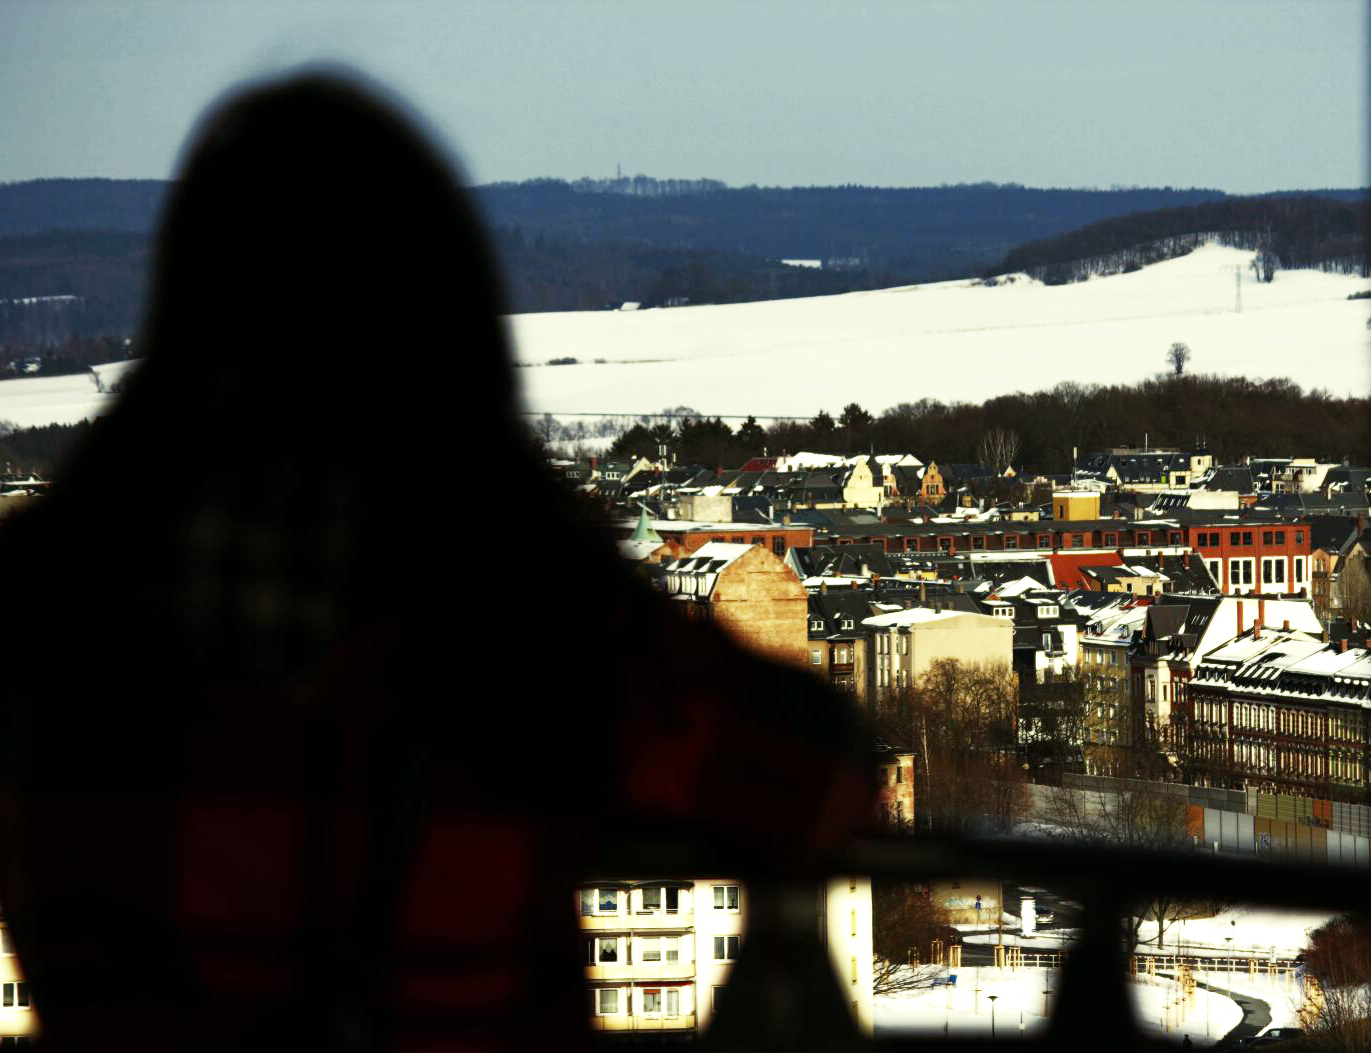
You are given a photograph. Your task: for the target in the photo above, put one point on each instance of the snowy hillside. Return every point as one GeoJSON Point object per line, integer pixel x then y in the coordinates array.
{"type": "Point", "coordinates": [959, 340]}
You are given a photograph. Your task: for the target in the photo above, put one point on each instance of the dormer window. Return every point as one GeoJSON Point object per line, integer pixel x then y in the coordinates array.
{"type": "Point", "coordinates": [816, 625]}
{"type": "Point", "coordinates": [1005, 612]}
{"type": "Point", "coordinates": [1046, 611]}
{"type": "Point", "coordinates": [847, 623]}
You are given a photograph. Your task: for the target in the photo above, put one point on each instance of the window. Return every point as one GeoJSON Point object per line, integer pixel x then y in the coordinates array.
{"type": "Point", "coordinates": [1144, 538]}
{"type": "Point", "coordinates": [759, 541]}
{"type": "Point", "coordinates": [1280, 537]}
{"type": "Point", "coordinates": [608, 901]}
{"type": "Point", "coordinates": [673, 900]}
{"type": "Point", "coordinates": [1234, 538]}
{"type": "Point", "coordinates": [1247, 537]}
{"type": "Point", "coordinates": [978, 542]}
{"type": "Point", "coordinates": [1298, 574]}
{"type": "Point", "coordinates": [899, 774]}
{"type": "Point", "coordinates": [815, 656]}
{"type": "Point", "coordinates": [816, 625]}
{"type": "Point", "coordinates": [1047, 641]}
{"type": "Point", "coordinates": [652, 900]}
{"type": "Point", "coordinates": [608, 1002]}
{"type": "Point", "coordinates": [587, 901]}
{"type": "Point", "coordinates": [725, 948]}
{"type": "Point", "coordinates": [1077, 541]}
{"type": "Point", "coordinates": [607, 949]}
{"type": "Point", "coordinates": [1266, 537]}
{"type": "Point", "coordinates": [1047, 611]}
{"type": "Point", "coordinates": [778, 546]}
{"type": "Point", "coordinates": [1299, 537]}
{"type": "Point", "coordinates": [739, 540]}
{"type": "Point", "coordinates": [652, 1000]}
{"type": "Point", "coordinates": [1044, 540]}
{"type": "Point", "coordinates": [1111, 540]}
{"type": "Point", "coordinates": [725, 897]}
{"type": "Point", "coordinates": [671, 948]}
{"type": "Point", "coordinates": [673, 1002]}
{"type": "Point", "coordinates": [588, 952]}
{"type": "Point", "coordinates": [651, 949]}
{"type": "Point", "coordinates": [1011, 542]}
{"type": "Point", "coordinates": [6, 947]}
{"type": "Point", "coordinates": [15, 994]}
{"type": "Point", "coordinates": [847, 623]}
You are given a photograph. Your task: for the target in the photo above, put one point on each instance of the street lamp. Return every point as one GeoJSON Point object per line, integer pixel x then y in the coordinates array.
{"type": "Point", "coordinates": [992, 1014]}
{"type": "Point", "coordinates": [1229, 940]}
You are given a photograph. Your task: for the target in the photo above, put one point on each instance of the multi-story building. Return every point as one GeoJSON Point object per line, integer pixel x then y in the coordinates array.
{"type": "Point", "coordinates": [905, 643]}
{"type": "Point", "coordinates": [18, 1024]}
{"type": "Point", "coordinates": [747, 591]}
{"type": "Point", "coordinates": [1249, 555]}
{"type": "Point", "coordinates": [658, 952]}
{"type": "Point", "coordinates": [1282, 711]}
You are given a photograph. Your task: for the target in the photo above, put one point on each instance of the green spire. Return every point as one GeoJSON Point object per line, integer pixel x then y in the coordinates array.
{"type": "Point", "coordinates": [644, 531]}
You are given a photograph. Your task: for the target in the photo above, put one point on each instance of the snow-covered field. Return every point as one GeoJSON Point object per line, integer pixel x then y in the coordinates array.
{"type": "Point", "coordinates": [1020, 998]}
{"type": "Point", "coordinates": [31, 402]}
{"type": "Point", "coordinates": [1243, 932]}
{"type": "Point", "coordinates": [950, 340]}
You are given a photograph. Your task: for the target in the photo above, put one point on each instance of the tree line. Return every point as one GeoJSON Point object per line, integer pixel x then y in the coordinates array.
{"type": "Point", "coordinates": [1232, 416]}
{"type": "Point", "coordinates": [1291, 232]}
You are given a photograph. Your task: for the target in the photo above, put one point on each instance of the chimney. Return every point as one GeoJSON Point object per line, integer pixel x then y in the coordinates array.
{"type": "Point", "coordinates": [823, 587]}
{"type": "Point", "coordinates": [923, 594]}
{"type": "Point", "coordinates": [593, 462]}
{"type": "Point", "coordinates": [1342, 645]}
{"type": "Point", "coordinates": [1185, 559]}
{"type": "Point", "coordinates": [854, 583]}
{"type": "Point", "coordinates": [1261, 611]}
{"type": "Point", "coordinates": [1242, 627]}
{"type": "Point", "coordinates": [1285, 625]}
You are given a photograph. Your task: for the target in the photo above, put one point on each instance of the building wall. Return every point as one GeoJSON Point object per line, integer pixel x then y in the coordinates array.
{"type": "Point", "coordinates": [15, 1020]}
{"type": "Point", "coordinates": [959, 898]}
{"type": "Point", "coordinates": [761, 603]}
{"type": "Point", "coordinates": [973, 639]}
{"type": "Point", "coordinates": [846, 911]}
{"type": "Point", "coordinates": [1251, 543]}
{"type": "Point", "coordinates": [895, 800]}
{"type": "Point", "coordinates": [770, 538]}
{"type": "Point", "coordinates": [715, 508]}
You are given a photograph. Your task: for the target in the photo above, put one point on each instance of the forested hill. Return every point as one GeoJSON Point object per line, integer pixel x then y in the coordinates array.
{"type": "Point", "coordinates": [1295, 231]}
{"type": "Point", "coordinates": [594, 243]}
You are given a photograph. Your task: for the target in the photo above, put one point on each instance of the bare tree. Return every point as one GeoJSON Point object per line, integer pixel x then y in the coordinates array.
{"type": "Point", "coordinates": [905, 921]}
{"type": "Point", "coordinates": [1354, 588]}
{"type": "Point", "coordinates": [1133, 818]}
{"type": "Point", "coordinates": [1178, 355]}
{"type": "Point", "coordinates": [998, 448]}
{"type": "Point", "coordinates": [1338, 959]}
{"type": "Point", "coordinates": [961, 717]}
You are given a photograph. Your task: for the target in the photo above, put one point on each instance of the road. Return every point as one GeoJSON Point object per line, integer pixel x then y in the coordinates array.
{"type": "Point", "coordinates": [1256, 1014]}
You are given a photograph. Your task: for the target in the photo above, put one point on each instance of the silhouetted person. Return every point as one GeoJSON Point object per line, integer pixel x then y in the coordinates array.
{"type": "Point", "coordinates": [318, 690]}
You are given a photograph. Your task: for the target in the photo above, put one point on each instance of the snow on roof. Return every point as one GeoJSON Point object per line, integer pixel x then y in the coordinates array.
{"type": "Point", "coordinates": [921, 615]}
{"type": "Point", "coordinates": [637, 550]}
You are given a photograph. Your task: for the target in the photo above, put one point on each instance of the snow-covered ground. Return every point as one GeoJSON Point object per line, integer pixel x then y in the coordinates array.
{"type": "Point", "coordinates": [1020, 998]}
{"type": "Point", "coordinates": [1243, 932]}
{"type": "Point", "coordinates": [950, 340]}
{"type": "Point", "coordinates": [31, 402]}
{"type": "Point", "coordinates": [947, 340]}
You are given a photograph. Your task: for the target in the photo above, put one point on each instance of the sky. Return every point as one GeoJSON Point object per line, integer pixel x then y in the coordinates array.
{"type": "Point", "coordinates": [1242, 96]}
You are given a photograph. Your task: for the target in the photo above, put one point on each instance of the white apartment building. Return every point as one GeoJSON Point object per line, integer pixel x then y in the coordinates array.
{"type": "Point", "coordinates": [658, 952]}
{"type": "Point", "coordinates": [18, 1023]}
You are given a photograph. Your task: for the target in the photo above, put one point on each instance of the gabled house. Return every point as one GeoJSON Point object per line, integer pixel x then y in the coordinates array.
{"type": "Point", "coordinates": [749, 592]}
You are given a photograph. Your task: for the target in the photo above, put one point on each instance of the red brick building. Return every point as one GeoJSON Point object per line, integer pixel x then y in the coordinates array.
{"type": "Point", "coordinates": [1249, 555]}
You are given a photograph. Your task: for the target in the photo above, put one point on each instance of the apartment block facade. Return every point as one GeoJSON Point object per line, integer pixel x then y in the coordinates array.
{"type": "Point", "coordinates": [658, 952]}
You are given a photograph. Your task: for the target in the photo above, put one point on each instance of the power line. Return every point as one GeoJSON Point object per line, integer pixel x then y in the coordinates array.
{"type": "Point", "coordinates": [669, 416]}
